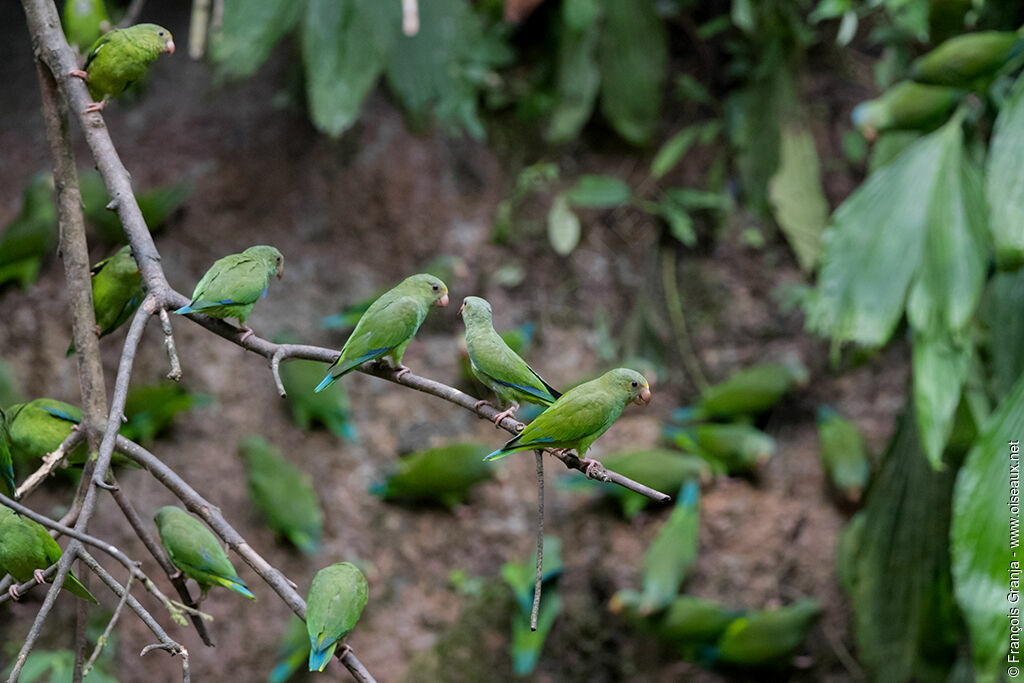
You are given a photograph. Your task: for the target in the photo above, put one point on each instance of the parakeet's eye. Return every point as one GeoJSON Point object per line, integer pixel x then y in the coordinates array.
{"type": "Point", "coordinates": [435, 288]}
{"type": "Point", "coordinates": [160, 33]}
{"type": "Point", "coordinates": [634, 384]}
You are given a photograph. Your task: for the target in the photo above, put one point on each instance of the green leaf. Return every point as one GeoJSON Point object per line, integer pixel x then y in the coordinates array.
{"type": "Point", "coordinates": [847, 28]}
{"type": "Point", "coordinates": [577, 76]}
{"type": "Point", "coordinates": [940, 368]}
{"type": "Point", "coordinates": [1005, 293]}
{"type": "Point", "coordinates": [698, 200]}
{"type": "Point", "coordinates": [633, 54]}
{"type": "Point", "coordinates": [795, 191]}
{"type": "Point", "coordinates": [579, 14]}
{"type": "Point", "coordinates": [345, 44]}
{"type": "Point", "coordinates": [679, 222]}
{"type": "Point", "coordinates": [1005, 176]}
{"type": "Point", "coordinates": [248, 33]}
{"type": "Point", "coordinates": [743, 16]}
{"type": "Point", "coordinates": [986, 521]}
{"type": "Point", "coordinates": [674, 149]}
{"type": "Point", "coordinates": [598, 192]}
{"type": "Point", "coordinates": [563, 226]}
{"type": "Point", "coordinates": [690, 89]}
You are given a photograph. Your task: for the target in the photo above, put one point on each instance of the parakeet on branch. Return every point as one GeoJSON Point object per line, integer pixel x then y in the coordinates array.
{"type": "Point", "coordinates": [120, 57]}
{"type": "Point", "coordinates": [388, 325]}
{"type": "Point", "coordinates": [27, 550]}
{"type": "Point", "coordinates": [497, 366]}
{"type": "Point", "coordinates": [32, 235]}
{"type": "Point", "coordinates": [581, 415]}
{"type": "Point", "coordinates": [194, 550]}
{"type": "Point", "coordinates": [7, 484]}
{"type": "Point", "coordinates": [116, 292]}
{"type": "Point", "coordinates": [233, 285]}
{"type": "Point", "coordinates": [335, 601]}
{"type": "Point", "coordinates": [40, 426]}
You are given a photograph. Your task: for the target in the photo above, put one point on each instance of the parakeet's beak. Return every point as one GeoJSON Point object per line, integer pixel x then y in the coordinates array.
{"type": "Point", "coordinates": [462, 308]}
{"type": "Point", "coordinates": [443, 301]}
{"type": "Point", "coordinates": [644, 398]}
{"type": "Point", "coordinates": [280, 271]}
{"type": "Point", "coordinates": [169, 47]}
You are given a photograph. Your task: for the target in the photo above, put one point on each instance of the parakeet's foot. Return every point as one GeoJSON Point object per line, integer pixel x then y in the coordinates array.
{"type": "Point", "coordinates": [593, 467]}
{"type": "Point", "coordinates": [402, 370]}
{"type": "Point", "coordinates": [39, 577]}
{"type": "Point", "coordinates": [511, 412]}
{"type": "Point", "coordinates": [246, 333]}
{"type": "Point", "coordinates": [97, 329]}
{"type": "Point", "coordinates": [176, 575]}
{"type": "Point", "coordinates": [13, 592]}
{"type": "Point", "coordinates": [345, 649]}
{"type": "Point", "coordinates": [478, 404]}
{"type": "Point", "coordinates": [78, 73]}
{"type": "Point", "coordinates": [94, 107]}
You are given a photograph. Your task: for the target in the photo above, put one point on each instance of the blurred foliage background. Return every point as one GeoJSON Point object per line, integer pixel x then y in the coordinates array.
{"type": "Point", "coordinates": [869, 151]}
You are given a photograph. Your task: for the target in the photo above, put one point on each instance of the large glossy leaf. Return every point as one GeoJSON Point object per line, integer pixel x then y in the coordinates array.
{"type": "Point", "coordinates": [633, 54]}
{"type": "Point", "coordinates": [872, 247]}
{"type": "Point", "coordinates": [986, 510]}
{"type": "Point", "coordinates": [345, 44]}
{"type": "Point", "coordinates": [249, 31]}
{"type": "Point", "coordinates": [898, 575]}
{"type": "Point", "coordinates": [1005, 177]}
{"type": "Point", "coordinates": [940, 365]}
{"type": "Point", "coordinates": [795, 192]}
{"type": "Point", "coordinates": [1005, 295]}
{"type": "Point", "coordinates": [577, 76]}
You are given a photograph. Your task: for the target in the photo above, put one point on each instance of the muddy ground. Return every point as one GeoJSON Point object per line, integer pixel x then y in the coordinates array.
{"type": "Point", "coordinates": [358, 214]}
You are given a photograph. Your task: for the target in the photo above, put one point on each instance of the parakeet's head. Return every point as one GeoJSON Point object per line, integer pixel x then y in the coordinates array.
{"type": "Point", "coordinates": [632, 383]}
{"type": "Point", "coordinates": [427, 286]}
{"type": "Point", "coordinates": [271, 256]}
{"type": "Point", "coordinates": [475, 308]}
{"type": "Point", "coordinates": [868, 117]}
{"type": "Point", "coordinates": [122, 264]}
{"type": "Point", "coordinates": [166, 513]}
{"type": "Point", "coordinates": [154, 37]}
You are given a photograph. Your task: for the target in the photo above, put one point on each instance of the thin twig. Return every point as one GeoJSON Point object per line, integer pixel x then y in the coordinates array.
{"type": "Point", "coordinates": [105, 636]}
{"type": "Point", "coordinates": [674, 303]}
{"type": "Point", "coordinates": [50, 464]}
{"type": "Point", "coordinates": [540, 539]}
{"type": "Point", "coordinates": [81, 639]}
{"type": "Point", "coordinates": [275, 370]}
{"type": "Point", "coordinates": [172, 351]}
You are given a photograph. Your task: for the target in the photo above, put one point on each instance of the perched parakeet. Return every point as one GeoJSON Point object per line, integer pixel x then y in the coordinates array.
{"type": "Point", "coordinates": [157, 204]}
{"type": "Point", "coordinates": [84, 21]}
{"type": "Point", "coordinates": [7, 483]}
{"type": "Point", "coordinates": [767, 636]}
{"type": "Point", "coordinates": [233, 284]}
{"type": "Point", "coordinates": [194, 550]}
{"type": "Point", "coordinates": [116, 292]}
{"type": "Point", "coordinates": [730, 448]}
{"type": "Point", "coordinates": [335, 601]}
{"type": "Point", "coordinates": [843, 453]}
{"type": "Point", "coordinates": [293, 651]}
{"type": "Point", "coordinates": [283, 493]}
{"type": "Point", "coordinates": [497, 366]}
{"type": "Point", "coordinates": [329, 408]}
{"type": "Point", "coordinates": [40, 426]}
{"type": "Point", "coordinates": [150, 409]}
{"type": "Point", "coordinates": [388, 325]}
{"type": "Point", "coordinates": [672, 552]}
{"type": "Point", "coordinates": [661, 469]}
{"type": "Point", "coordinates": [906, 105]}
{"type": "Point", "coordinates": [440, 475]}
{"type": "Point", "coordinates": [750, 391]}
{"type": "Point", "coordinates": [968, 60]}
{"type": "Point", "coordinates": [581, 415]}
{"type": "Point", "coordinates": [32, 235]}
{"type": "Point", "coordinates": [121, 57]}
{"type": "Point", "coordinates": [27, 550]}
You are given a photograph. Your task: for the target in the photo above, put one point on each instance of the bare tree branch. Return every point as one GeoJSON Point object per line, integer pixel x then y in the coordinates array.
{"type": "Point", "coordinates": [172, 352]}
{"type": "Point", "coordinates": [540, 541]}
{"type": "Point", "coordinates": [50, 464]}
{"type": "Point", "coordinates": [105, 636]}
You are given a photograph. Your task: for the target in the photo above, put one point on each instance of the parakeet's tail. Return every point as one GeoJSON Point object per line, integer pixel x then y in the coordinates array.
{"type": "Point", "coordinates": [71, 349]}
{"type": "Point", "coordinates": [73, 586]}
{"type": "Point", "coordinates": [282, 672]}
{"type": "Point", "coordinates": [380, 488]}
{"type": "Point", "coordinates": [497, 455]}
{"type": "Point", "coordinates": [305, 542]}
{"type": "Point", "coordinates": [236, 585]}
{"type": "Point", "coordinates": [8, 479]}
{"type": "Point", "coordinates": [686, 414]}
{"type": "Point", "coordinates": [325, 382]}
{"type": "Point", "coordinates": [319, 656]}
{"type": "Point", "coordinates": [187, 308]}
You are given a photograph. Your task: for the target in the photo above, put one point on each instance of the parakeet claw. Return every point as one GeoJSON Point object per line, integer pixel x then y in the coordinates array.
{"type": "Point", "coordinates": [246, 333]}
{"type": "Point", "coordinates": [78, 73]}
{"type": "Point", "coordinates": [38, 576]}
{"type": "Point", "coordinates": [13, 592]}
{"type": "Point", "coordinates": [511, 412]}
{"type": "Point", "coordinates": [478, 404]}
{"type": "Point", "coordinates": [402, 370]}
{"type": "Point", "coordinates": [94, 107]}
{"type": "Point", "coordinates": [594, 468]}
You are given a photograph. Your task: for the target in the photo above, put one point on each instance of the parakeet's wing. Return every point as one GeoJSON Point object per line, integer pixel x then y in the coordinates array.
{"type": "Point", "coordinates": [95, 49]}
{"type": "Point", "coordinates": [61, 411]}
{"type": "Point", "coordinates": [380, 331]}
{"type": "Point", "coordinates": [575, 417]}
{"type": "Point", "coordinates": [496, 360]}
{"type": "Point", "coordinates": [235, 279]}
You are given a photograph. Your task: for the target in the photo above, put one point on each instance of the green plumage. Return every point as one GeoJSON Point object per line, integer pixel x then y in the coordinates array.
{"type": "Point", "coordinates": [730, 448]}
{"type": "Point", "coordinates": [39, 426]}
{"type": "Point", "coordinates": [25, 546]}
{"type": "Point", "coordinates": [283, 493]}
{"type": "Point", "coordinates": [843, 453]}
{"type": "Point", "coordinates": [84, 21]}
{"type": "Point", "coordinates": [750, 391]}
{"type": "Point", "coordinates": [335, 601]}
{"type": "Point", "coordinates": [121, 57]}
{"type": "Point", "coordinates": [690, 624]}
{"type": "Point", "coordinates": [966, 61]}
{"type": "Point", "coordinates": [329, 408]}
{"type": "Point", "coordinates": [906, 106]}
{"type": "Point", "coordinates": [581, 415]}
{"type": "Point", "coordinates": [194, 550]}
{"type": "Point", "coordinates": [116, 291]}
{"type": "Point", "coordinates": [496, 365]}
{"type": "Point", "coordinates": [233, 284]}
{"type": "Point", "coordinates": [672, 552]}
{"type": "Point", "coordinates": [292, 652]}
{"type": "Point", "coordinates": [388, 325]}
{"type": "Point", "coordinates": [7, 483]}
{"type": "Point", "coordinates": [440, 475]}
{"type": "Point", "coordinates": [32, 235]}
{"type": "Point", "coordinates": [768, 636]}
{"type": "Point", "coordinates": [157, 205]}
{"type": "Point", "coordinates": [150, 409]}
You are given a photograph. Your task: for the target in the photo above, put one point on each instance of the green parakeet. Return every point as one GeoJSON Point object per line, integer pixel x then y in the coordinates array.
{"type": "Point", "coordinates": [150, 409]}
{"type": "Point", "coordinates": [121, 57]}
{"type": "Point", "coordinates": [843, 453]}
{"type": "Point", "coordinates": [497, 366]}
{"type": "Point", "coordinates": [7, 483]}
{"type": "Point", "coordinates": [388, 325]}
{"type": "Point", "coordinates": [768, 636]}
{"type": "Point", "coordinates": [283, 493]}
{"type": "Point", "coordinates": [581, 415]}
{"type": "Point", "coordinates": [329, 408]}
{"type": "Point", "coordinates": [84, 21]}
{"type": "Point", "coordinates": [731, 448]}
{"type": "Point", "coordinates": [39, 426]}
{"type": "Point", "coordinates": [336, 599]}
{"type": "Point", "coordinates": [194, 550]}
{"type": "Point", "coordinates": [293, 651]}
{"type": "Point", "coordinates": [691, 624]}
{"type": "Point", "coordinates": [672, 552]}
{"type": "Point", "coordinates": [156, 203]}
{"type": "Point", "coordinates": [32, 235]}
{"type": "Point", "coordinates": [968, 60]}
{"type": "Point", "coordinates": [750, 391]}
{"type": "Point", "coordinates": [906, 105]}
{"type": "Point", "coordinates": [27, 550]}
{"type": "Point", "coordinates": [116, 292]}
{"type": "Point", "coordinates": [233, 284]}
{"type": "Point", "coordinates": [440, 475]}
